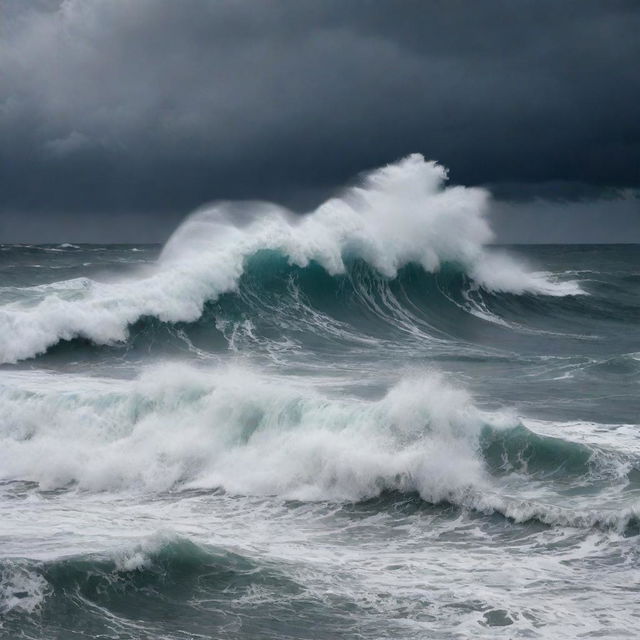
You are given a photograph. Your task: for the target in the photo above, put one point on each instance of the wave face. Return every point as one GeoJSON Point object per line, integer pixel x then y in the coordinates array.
{"type": "Point", "coordinates": [317, 425]}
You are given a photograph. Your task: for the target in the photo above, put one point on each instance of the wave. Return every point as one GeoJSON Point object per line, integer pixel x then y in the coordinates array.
{"type": "Point", "coordinates": [235, 429]}
{"type": "Point", "coordinates": [178, 428]}
{"type": "Point", "coordinates": [155, 563]}
{"type": "Point", "coordinates": [401, 214]}
{"type": "Point", "coordinates": [281, 308]}
{"type": "Point", "coordinates": [164, 586]}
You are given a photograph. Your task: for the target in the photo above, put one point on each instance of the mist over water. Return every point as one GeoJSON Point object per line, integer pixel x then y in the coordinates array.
{"type": "Point", "coordinates": [363, 421]}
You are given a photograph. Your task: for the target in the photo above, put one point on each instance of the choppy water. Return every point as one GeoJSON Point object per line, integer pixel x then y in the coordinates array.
{"type": "Point", "coordinates": [362, 423]}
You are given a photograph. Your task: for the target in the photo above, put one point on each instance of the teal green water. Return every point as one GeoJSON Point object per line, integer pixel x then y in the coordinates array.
{"type": "Point", "coordinates": [319, 455]}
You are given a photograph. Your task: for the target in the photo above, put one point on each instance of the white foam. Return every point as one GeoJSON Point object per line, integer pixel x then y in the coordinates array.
{"type": "Point", "coordinates": [400, 214]}
{"type": "Point", "coordinates": [235, 429]}
{"type": "Point", "coordinates": [179, 427]}
{"type": "Point", "coordinates": [21, 588]}
{"type": "Point", "coordinates": [623, 438]}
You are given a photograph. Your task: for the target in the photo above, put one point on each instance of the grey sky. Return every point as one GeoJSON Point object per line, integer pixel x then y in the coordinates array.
{"type": "Point", "coordinates": [117, 118]}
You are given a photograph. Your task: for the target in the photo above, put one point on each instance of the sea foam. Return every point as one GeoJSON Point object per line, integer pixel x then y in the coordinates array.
{"type": "Point", "coordinates": [232, 428]}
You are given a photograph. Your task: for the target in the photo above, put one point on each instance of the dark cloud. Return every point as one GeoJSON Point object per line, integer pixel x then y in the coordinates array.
{"type": "Point", "coordinates": [155, 106]}
{"type": "Point", "coordinates": [599, 221]}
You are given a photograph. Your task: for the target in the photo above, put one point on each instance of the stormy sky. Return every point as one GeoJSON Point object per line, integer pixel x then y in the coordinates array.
{"type": "Point", "coordinates": [119, 117]}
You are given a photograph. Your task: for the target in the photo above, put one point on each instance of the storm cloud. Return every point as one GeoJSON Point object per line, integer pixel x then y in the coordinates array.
{"type": "Point", "coordinates": [144, 110]}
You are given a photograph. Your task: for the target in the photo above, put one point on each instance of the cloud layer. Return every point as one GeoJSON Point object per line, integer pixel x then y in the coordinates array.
{"type": "Point", "coordinates": [156, 106]}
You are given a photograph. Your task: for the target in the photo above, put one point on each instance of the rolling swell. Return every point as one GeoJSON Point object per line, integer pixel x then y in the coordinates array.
{"type": "Point", "coordinates": [166, 587]}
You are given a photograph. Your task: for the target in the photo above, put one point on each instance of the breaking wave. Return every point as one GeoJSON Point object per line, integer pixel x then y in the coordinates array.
{"type": "Point", "coordinates": [400, 215]}
{"type": "Point", "coordinates": [179, 427]}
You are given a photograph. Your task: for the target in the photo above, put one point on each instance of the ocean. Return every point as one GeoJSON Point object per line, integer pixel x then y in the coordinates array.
{"type": "Point", "coordinates": [368, 421]}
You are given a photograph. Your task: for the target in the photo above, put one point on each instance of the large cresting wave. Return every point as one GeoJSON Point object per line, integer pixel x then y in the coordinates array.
{"type": "Point", "coordinates": [181, 428]}
{"type": "Point", "coordinates": [401, 214]}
